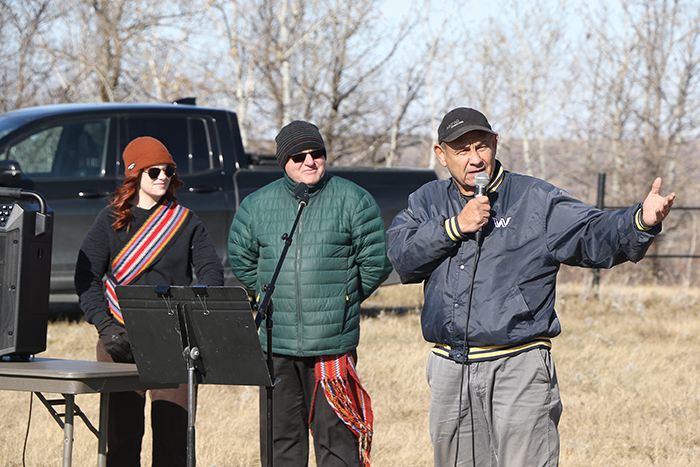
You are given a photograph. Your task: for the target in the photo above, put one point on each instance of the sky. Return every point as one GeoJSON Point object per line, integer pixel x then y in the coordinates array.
{"type": "Point", "coordinates": [397, 8]}
{"type": "Point", "coordinates": [477, 9]}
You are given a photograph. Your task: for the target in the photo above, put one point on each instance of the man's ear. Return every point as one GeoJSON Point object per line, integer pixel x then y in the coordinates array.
{"type": "Point", "coordinates": [440, 153]}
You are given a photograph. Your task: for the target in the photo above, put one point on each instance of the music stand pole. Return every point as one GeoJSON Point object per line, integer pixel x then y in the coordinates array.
{"type": "Point", "coordinates": [265, 310]}
{"type": "Point", "coordinates": [191, 353]}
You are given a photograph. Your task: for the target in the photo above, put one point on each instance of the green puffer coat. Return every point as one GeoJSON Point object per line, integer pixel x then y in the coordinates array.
{"type": "Point", "coordinates": [336, 260]}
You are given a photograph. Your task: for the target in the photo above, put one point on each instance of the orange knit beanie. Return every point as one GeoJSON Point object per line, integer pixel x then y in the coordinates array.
{"type": "Point", "coordinates": [145, 152]}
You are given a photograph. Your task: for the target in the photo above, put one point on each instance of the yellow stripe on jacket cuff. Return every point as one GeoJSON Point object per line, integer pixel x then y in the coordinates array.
{"type": "Point", "coordinates": [639, 221]}
{"type": "Point", "coordinates": [453, 230]}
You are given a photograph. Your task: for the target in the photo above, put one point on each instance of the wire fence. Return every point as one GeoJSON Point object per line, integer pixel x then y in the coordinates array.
{"type": "Point", "coordinates": [680, 275]}
{"type": "Point", "coordinates": [600, 204]}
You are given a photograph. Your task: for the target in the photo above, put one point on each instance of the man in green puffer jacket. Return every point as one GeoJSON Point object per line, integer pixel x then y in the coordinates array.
{"type": "Point", "coordinates": [337, 259]}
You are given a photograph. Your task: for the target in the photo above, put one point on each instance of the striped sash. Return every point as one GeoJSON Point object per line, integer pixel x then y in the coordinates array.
{"type": "Point", "coordinates": [337, 376]}
{"type": "Point", "coordinates": [143, 249]}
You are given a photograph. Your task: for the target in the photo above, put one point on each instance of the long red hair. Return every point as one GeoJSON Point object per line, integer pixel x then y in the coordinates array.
{"type": "Point", "coordinates": [127, 191]}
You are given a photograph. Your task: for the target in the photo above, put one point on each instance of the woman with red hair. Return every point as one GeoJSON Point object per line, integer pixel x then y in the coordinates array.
{"type": "Point", "coordinates": [172, 242]}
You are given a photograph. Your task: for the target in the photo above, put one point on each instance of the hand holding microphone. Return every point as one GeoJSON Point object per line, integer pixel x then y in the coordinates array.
{"type": "Point", "coordinates": [477, 212]}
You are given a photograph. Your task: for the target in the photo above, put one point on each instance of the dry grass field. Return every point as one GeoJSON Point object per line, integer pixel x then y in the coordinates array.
{"type": "Point", "coordinates": [628, 365]}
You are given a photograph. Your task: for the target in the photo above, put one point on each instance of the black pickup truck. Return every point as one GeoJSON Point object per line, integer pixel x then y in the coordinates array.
{"type": "Point", "coordinates": [71, 154]}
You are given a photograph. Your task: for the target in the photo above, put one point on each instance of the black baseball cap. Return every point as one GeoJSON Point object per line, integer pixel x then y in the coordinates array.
{"type": "Point", "coordinates": [460, 121]}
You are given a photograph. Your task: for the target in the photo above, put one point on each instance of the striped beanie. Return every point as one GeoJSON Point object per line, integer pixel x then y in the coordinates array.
{"type": "Point", "coordinates": [296, 137]}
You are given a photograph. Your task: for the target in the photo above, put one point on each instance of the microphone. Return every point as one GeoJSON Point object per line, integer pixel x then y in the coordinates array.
{"type": "Point", "coordinates": [301, 192]}
{"type": "Point", "coordinates": [481, 181]}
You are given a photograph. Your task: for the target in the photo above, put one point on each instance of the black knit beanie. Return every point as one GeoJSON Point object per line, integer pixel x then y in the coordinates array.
{"type": "Point", "coordinates": [296, 137]}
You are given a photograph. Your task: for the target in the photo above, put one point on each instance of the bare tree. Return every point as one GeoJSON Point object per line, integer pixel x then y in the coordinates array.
{"type": "Point", "coordinates": [353, 65]}
{"type": "Point", "coordinates": [641, 97]}
{"type": "Point", "coordinates": [434, 56]}
{"type": "Point", "coordinates": [233, 69]}
{"type": "Point", "coordinates": [410, 88]}
{"type": "Point", "coordinates": [528, 51]}
{"type": "Point", "coordinates": [668, 32]}
{"type": "Point", "coordinates": [643, 90]}
{"type": "Point", "coordinates": [283, 31]}
{"type": "Point", "coordinates": [23, 24]}
{"type": "Point", "coordinates": [110, 50]}
{"type": "Point", "coordinates": [607, 95]}
{"type": "Point", "coordinates": [320, 62]}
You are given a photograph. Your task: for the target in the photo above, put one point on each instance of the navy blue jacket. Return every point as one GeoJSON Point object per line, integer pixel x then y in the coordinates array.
{"type": "Point", "coordinates": [534, 228]}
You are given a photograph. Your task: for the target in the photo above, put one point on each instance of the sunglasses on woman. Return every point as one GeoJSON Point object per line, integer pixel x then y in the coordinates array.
{"type": "Point", "coordinates": [301, 157]}
{"type": "Point", "coordinates": [154, 172]}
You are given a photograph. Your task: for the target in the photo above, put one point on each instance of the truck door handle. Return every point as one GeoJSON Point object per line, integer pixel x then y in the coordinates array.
{"type": "Point", "coordinates": [203, 189]}
{"type": "Point", "coordinates": [92, 194]}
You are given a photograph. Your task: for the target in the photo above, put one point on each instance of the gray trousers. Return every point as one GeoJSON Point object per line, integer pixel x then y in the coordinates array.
{"type": "Point", "coordinates": [510, 411]}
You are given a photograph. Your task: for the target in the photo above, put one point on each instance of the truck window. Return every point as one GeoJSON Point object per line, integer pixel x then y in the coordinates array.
{"type": "Point", "coordinates": [70, 150]}
{"type": "Point", "coordinates": [187, 139]}
{"type": "Point", "coordinates": [200, 154]}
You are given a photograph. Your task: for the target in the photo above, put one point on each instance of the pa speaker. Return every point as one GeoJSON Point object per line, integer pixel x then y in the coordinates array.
{"type": "Point", "coordinates": [25, 271]}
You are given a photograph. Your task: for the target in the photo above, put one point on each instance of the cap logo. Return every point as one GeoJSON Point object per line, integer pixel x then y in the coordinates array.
{"type": "Point", "coordinates": [453, 124]}
{"type": "Point", "coordinates": [131, 166]}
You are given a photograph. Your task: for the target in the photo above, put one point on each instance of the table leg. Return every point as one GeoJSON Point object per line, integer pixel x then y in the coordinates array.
{"type": "Point", "coordinates": [68, 430]}
{"type": "Point", "coordinates": [102, 446]}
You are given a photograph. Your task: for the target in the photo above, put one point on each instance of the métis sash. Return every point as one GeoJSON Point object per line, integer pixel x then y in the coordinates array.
{"type": "Point", "coordinates": [143, 249]}
{"type": "Point", "coordinates": [337, 377]}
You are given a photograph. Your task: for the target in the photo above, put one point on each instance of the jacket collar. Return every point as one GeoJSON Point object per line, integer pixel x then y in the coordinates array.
{"type": "Point", "coordinates": [290, 184]}
{"type": "Point", "coordinates": [499, 174]}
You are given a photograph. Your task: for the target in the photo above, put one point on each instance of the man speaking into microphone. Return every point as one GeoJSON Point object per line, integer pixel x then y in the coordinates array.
{"type": "Point", "coordinates": [337, 259]}
{"type": "Point", "coordinates": [489, 303]}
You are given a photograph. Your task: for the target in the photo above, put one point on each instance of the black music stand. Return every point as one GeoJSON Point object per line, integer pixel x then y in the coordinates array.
{"type": "Point", "coordinates": [185, 334]}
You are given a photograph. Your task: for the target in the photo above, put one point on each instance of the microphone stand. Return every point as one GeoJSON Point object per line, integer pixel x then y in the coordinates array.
{"type": "Point", "coordinates": [301, 192]}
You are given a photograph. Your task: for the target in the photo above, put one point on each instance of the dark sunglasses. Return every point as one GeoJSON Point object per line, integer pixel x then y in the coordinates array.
{"type": "Point", "coordinates": [154, 172]}
{"type": "Point", "coordinates": [301, 157]}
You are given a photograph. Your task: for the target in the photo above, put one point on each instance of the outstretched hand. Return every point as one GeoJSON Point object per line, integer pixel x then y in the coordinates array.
{"type": "Point", "coordinates": [656, 207]}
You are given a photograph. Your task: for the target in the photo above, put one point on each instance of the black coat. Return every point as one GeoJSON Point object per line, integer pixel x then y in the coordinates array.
{"type": "Point", "coordinates": [193, 248]}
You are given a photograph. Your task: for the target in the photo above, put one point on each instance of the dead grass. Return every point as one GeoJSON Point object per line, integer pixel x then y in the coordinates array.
{"type": "Point", "coordinates": [627, 363]}
{"type": "Point", "coordinates": [630, 377]}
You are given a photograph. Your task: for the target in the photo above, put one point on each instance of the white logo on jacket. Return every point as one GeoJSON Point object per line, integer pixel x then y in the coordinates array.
{"type": "Point", "coordinates": [501, 222]}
